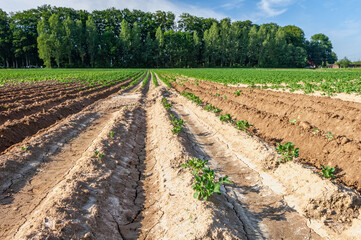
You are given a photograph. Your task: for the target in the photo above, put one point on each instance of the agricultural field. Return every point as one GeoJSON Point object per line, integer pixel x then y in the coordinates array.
{"type": "Point", "coordinates": [180, 154]}
{"type": "Point", "coordinates": [327, 81]}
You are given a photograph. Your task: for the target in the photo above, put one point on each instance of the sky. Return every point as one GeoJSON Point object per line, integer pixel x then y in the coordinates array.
{"type": "Point", "coordinates": [340, 20]}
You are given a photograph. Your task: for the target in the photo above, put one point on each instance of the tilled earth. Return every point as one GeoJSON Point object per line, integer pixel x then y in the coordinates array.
{"type": "Point", "coordinates": [306, 121]}
{"type": "Point", "coordinates": [107, 166]}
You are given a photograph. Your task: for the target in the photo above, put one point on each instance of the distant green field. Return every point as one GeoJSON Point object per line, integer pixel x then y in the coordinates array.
{"type": "Point", "coordinates": [329, 81]}
{"type": "Point", "coordinates": [85, 76]}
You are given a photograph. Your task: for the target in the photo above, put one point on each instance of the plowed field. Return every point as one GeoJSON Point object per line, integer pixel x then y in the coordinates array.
{"type": "Point", "coordinates": [102, 163]}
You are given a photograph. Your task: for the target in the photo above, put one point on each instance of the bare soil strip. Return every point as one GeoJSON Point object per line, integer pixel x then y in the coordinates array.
{"type": "Point", "coordinates": [170, 211]}
{"type": "Point", "coordinates": [271, 119]}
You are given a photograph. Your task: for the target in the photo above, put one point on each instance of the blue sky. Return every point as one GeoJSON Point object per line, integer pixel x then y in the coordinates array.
{"type": "Point", "coordinates": [340, 20]}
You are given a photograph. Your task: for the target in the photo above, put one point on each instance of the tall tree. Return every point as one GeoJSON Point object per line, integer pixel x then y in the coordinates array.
{"type": "Point", "coordinates": [45, 45]}
{"type": "Point", "coordinates": [91, 39]}
{"type": "Point", "coordinates": [320, 50]}
{"type": "Point", "coordinates": [136, 45]}
{"type": "Point", "coordinates": [159, 38]}
{"type": "Point", "coordinates": [126, 43]}
{"type": "Point", "coordinates": [5, 39]}
{"type": "Point", "coordinates": [211, 45]}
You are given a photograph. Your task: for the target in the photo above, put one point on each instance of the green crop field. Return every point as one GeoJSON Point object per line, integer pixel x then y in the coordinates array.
{"type": "Point", "coordinates": [328, 81]}
{"type": "Point", "coordinates": [85, 76]}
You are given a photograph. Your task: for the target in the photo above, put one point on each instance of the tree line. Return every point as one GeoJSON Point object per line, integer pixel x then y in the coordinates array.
{"type": "Point", "coordinates": [64, 37]}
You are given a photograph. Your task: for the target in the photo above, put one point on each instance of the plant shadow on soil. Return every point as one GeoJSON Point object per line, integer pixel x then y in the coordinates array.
{"type": "Point", "coordinates": [190, 142]}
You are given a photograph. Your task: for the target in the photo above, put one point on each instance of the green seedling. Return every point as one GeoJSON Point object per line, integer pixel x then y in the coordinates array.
{"type": "Point", "coordinates": [316, 130]}
{"type": "Point", "coordinates": [98, 155]}
{"type": "Point", "coordinates": [192, 97]}
{"type": "Point", "coordinates": [242, 125]}
{"type": "Point", "coordinates": [287, 151]}
{"type": "Point", "coordinates": [209, 107]}
{"type": "Point", "coordinates": [293, 121]}
{"type": "Point", "coordinates": [177, 124]}
{"type": "Point", "coordinates": [238, 92]}
{"type": "Point", "coordinates": [329, 135]}
{"type": "Point", "coordinates": [328, 172]}
{"type": "Point", "coordinates": [24, 148]}
{"type": "Point", "coordinates": [217, 110]}
{"type": "Point", "coordinates": [226, 118]}
{"type": "Point", "coordinates": [166, 104]}
{"type": "Point", "coordinates": [196, 164]}
{"type": "Point", "coordinates": [217, 94]}
{"type": "Point", "coordinates": [225, 98]}
{"type": "Point", "coordinates": [205, 184]}
{"type": "Point", "coordinates": [111, 134]}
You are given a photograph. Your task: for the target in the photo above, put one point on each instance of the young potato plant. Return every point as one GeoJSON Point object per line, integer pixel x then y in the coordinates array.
{"type": "Point", "coordinates": [287, 151]}
{"type": "Point", "coordinates": [329, 135]}
{"type": "Point", "coordinates": [205, 184]}
{"type": "Point", "coordinates": [209, 107]}
{"type": "Point", "coordinates": [238, 92]}
{"type": "Point", "coordinates": [217, 110]}
{"type": "Point", "coordinates": [242, 125]}
{"type": "Point", "coordinates": [226, 118]}
{"type": "Point", "coordinates": [166, 104]}
{"type": "Point", "coordinates": [177, 124]}
{"type": "Point", "coordinates": [111, 134]}
{"type": "Point", "coordinates": [98, 155]}
{"type": "Point", "coordinates": [293, 121]}
{"type": "Point", "coordinates": [328, 172]}
{"type": "Point", "coordinates": [24, 148]}
{"type": "Point", "coordinates": [196, 165]}
{"type": "Point", "coordinates": [192, 97]}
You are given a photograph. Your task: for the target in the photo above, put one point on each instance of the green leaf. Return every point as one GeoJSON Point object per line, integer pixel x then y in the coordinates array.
{"type": "Point", "coordinates": [217, 188]}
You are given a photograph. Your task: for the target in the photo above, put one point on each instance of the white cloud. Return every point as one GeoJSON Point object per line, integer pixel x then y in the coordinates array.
{"type": "Point", "coordinates": [90, 5]}
{"type": "Point", "coordinates": [273, 8]}
{"type": "Point", "coordinates": [232, 4]}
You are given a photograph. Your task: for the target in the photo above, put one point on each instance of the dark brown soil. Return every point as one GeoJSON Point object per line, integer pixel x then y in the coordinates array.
{"type": "Point", "coordinates": [28, 120]}
{"type": "Point", "coordinates": [271, 113]}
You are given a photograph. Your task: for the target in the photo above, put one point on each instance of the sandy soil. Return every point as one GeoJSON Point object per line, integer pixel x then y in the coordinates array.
{"type": "Point", "coordinates": [271, 114]}
{"type": "Point", "coordinates": [112, 171]}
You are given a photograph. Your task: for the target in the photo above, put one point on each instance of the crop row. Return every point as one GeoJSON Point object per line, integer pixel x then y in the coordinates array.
{"type": "Point", "coordinates": [90, 77]}
{"type": "Point", "coordinates": [327, 81]}
{"type": "Point", "coordinates": [287, 152]}
{"type": "Point", "coordinates": [204, 183]}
